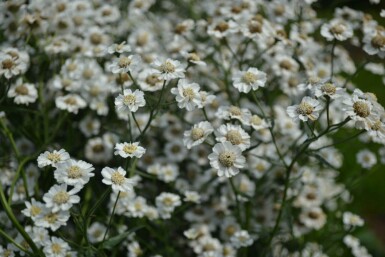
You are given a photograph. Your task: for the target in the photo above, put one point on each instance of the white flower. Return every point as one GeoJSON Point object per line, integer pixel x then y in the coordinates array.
{"type": "Point", "coordinates": [52, 158]}
{"type": "Point", "coordinates": [116, 178]}
{"type": "Point", "coordinates": [351, 241]}
{"type": "Point", "coordinates": [227, 159]}
{"type": "Point", "coordinates": [233, 134]}
{"type": "Point", "coordinates": [58, 198]}
{"type": "Point", "coordinates": [11, 66]}
{"type": "Point", "coordinates": [258, 123]}
{"type": "Point", "coordinates": [336, 29]}
{"type": "Point", "coordinates": [328, 89]}
{"type": "Point", "coordinates": [166, 203]}
{"type": "Point", "coordinates": [129, 101]}
{"type": "Point", "coordinates": [374, 43]}
{"type": "Point", "coordinates": [241, 239]}
{"type": "Point", "coordinates": [187, 95]}
{"type": "Point", "coordinates": [34, 209]}
{"type": "Point", "coordinates": [313, 217]}
{"type": "Point", "coordinates": [121, 48]}
{"type": "Point", "coordinates": [71, 103]}
{"type": "Point", "coordinates": [52, 220]}
{"type": "Point", "coordinates": [366, 158]}
{"type": "Point", "coordinates": [74, 173]}
{"type": "Point", "coordinates": [351, 219]}
{"type": "Point", "coordinates": [129, 150]}
{"type": "Point", "coordinates": [234, 112]}
{"type": "Point", "coordinates": [22, 93]}
{"type": "Point", "coordinates": [95, 232]}
{"type": "Point", "coordinates": [359, 110]}
{"type": "Point", "coordinates": [169, 69]}
{"type": "Point", "coordinates": [125, 64]}
{"type": "Point", "coordinates": [308, 109]}
{"type": "Point", "coordinates": [244, 81]}
{"type": "Point", "coordinates": [197, 134]}
{"type": "Point", "coordinates": [56, 247]}
{"type": "Point", "coordinates": [192, 196]}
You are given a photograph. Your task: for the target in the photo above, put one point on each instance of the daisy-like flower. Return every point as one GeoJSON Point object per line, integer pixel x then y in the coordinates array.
{"type": "Point", "coordinates": [258, 123]}
{"type": "Point", "coordinates": [71, 103]}
{"type": "Point", "coordinates": [58, 198]}
{"type": "Point", "coordinates": [52, 158]}
{"type": "Point", "coordinates": [375, 43]}
{"type": "Point", "coordinates": [313, 217]}
{"type": "Point", "coordinates": [192, 196]}
{"type": "Point", "coordinates": [308, 109]}
{"type": "Point", "coordinates": [169, 69]}
{"type": "Point", "coordinates": [116, 178]}
{"type": "Point", "coordinates": [197, 134]}
{"type": "Point", "coordinates": [366, 158]}
{"type": "Point", "coordinates": [34, 209]}
{"type": "Point", "coordinates": [11, 66]}
{"type": "Point", "coordinates": [166, 203]}
{"type": "Point", "coordinates": [187, 95]}
{"type": "Point", "coordinates": [119, 48]}
{"type": "Point", "coordinates": [352, 220]}
{"type": "Point", "coordinates": [241, 239]}
{"type": "Point", "coordinates": [129, 150]}
{"type": "Point", "coordinates": [56, 247]}
{"type": "Point", "coordinates": [22, 93]}
{"type": "Point", "coordinates": [95, 232]}
{"type": "Point", "coordinates": [233, 134]}
{"type": "Point", "coordinates": [234, 112]}
{"type": "Point", "coordinates": [227, 159]}
{"type": "Point", "coordinates": [336, 29]}
{"type": "Point", "coordinates": [359, 110]}
{"type": "Point", "coordinates": [74, 173]}
{"type": "Point", "coordinates": [129, 101]}
{"type": "Point", "coordinates": [253, 78]}
{"type": "Point", "coordinates": [51, 219]}
{"type": "Point", "coordinates": [328, 89]}
{"type": "Point", "coordinates": [125, 64]}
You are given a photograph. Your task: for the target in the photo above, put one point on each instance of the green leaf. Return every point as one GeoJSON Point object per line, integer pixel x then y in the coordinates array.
{"type": "Point", "coordinates": [113, 241]}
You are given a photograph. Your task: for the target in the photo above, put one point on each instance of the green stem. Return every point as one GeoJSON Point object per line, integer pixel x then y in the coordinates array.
{"type": "Point", "coordinates": [110, 220]}
{"type": "Point", "coordinates": [17, 225]}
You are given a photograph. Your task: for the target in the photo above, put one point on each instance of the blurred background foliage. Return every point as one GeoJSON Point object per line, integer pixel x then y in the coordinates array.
{"type": "Point", "coordinates": [367, 187]}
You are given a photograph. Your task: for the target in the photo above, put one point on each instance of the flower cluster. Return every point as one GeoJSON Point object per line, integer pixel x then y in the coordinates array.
{"type": "Point", "coordinates": [156, 128]}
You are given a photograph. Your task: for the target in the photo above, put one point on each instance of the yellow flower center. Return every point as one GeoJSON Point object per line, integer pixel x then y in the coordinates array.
{"type": "Point", "coordinates": [329, 89]}
{"type": "Point", "coordinates": [227, 158]}
{"type": "Point", "coordinates": [361, 109]}
{"type": "Point", "coordinates": [304, 109]}
{"type": "Point", "coordinates": [256, 120]}
{"type": "Point", "coordinates": [71, 101]}
{"type": "Point", "coordinates": [249, 77]}
{"type": "Point", "coordinates": [56, 248]}
{"type": "Point", "coordinates": [234, 137]}
{"type": "Point", "coordinates": [129, 99]}
{"type": "Point", "coordinates": [35, 210]}
{"type": "Point", "coordinates": [7, 64]}
{"type": "Point", "coordinates": [51, 218]}
{"type": "Point", "coordinates": [61, 197]}
{"type": "Point", "coordinates": [117, 178]}
{"type": "Point", "coordinates": [129, 149]}
{"type": "Point", "coordinates": [235, 111]}
{"type": "Point", "coordinates": [21, 90]}
{"type": "Point", "coordinates": [189, 93]}
{"type": "Point", "coordinates": [378, 41]}
{"type": "Point", "coordinates": [167, 67]}
{"type": "Point", "coordinates": [197, 133]}
{"type": "Point", "coordinates": [124, 62]}
{"type": "Point", "coordinates": [337, 29]}
{"type": "Point", "coordinates": [74, 172]}
{"type": "Point", "coordinates": [53, 157]}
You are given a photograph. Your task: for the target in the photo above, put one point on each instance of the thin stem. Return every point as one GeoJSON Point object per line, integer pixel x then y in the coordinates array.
{"type": "Point", "coordinates": [14, 221]}
{"type": "Point", "coordinates": [136, 122]}
{"type": "Point", "coordinates": [109, 222]}
{"type": "Point", "coordinates": [236, 200]}
{"type": "Point", "coordinates": [10, 239]}
{"type": "Point", "coordinates": [342, 141]}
